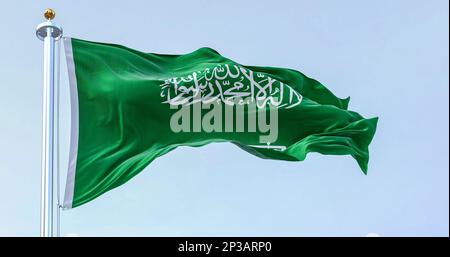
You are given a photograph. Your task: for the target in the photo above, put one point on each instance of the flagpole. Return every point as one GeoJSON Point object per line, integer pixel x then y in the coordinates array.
{"type": "Point", "coordinates": [49, 33]}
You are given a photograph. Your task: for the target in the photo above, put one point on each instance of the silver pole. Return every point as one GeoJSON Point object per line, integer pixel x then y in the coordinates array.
{"type": "Point", "coordinates": [49, 33]}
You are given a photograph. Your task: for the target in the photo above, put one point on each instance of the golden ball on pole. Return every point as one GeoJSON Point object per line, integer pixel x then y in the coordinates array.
{"type": "Point", "coordinates": [49, 14]}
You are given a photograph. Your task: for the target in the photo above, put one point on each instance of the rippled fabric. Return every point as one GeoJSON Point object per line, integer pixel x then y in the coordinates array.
{"type": "Point", "coordinates": [124, 124]}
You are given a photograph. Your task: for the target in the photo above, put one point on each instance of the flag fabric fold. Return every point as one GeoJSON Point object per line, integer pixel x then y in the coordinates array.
{"type": "Point", "coordinates": [130, 107]}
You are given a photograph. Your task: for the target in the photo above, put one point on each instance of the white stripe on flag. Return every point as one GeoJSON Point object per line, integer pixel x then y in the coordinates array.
{"type": "Point", "coordinates": [70, 182]}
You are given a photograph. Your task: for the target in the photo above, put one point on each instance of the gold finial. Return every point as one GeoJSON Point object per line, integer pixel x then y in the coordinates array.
{"type": "Point", "coordinates": [49, 14]}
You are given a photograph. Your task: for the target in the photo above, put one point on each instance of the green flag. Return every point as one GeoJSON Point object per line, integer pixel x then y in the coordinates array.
{"type": "Point", "coordinates": [129, 108]}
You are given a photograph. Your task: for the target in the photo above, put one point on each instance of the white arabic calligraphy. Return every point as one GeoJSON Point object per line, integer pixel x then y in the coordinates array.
{"type": "Point", "coordinates": [226, 83]}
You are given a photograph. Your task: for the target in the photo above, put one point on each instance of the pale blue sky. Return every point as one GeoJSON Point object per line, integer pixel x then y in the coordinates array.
{"type": "Point", "coordinates": [391, 57]}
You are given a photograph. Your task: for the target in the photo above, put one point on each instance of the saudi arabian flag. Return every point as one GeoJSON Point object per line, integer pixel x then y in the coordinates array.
{"type": "Point", "coordinates": [130, 107]}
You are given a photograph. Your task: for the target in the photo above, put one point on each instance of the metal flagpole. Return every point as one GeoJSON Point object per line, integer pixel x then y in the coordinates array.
{"type": "Point", "coordinates": [49, 33]}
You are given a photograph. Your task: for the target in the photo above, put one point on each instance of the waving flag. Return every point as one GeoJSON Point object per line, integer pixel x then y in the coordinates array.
{"type": "Point", "coordinates": [130, 107]}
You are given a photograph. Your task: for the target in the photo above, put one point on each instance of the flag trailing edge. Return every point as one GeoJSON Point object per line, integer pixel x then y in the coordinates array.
{"type": "Point", "coordinates": [124, 103]}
